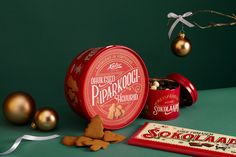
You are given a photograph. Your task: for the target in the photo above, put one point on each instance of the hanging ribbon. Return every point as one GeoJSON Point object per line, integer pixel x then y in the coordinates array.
{"type": "Point", "coordinates": [27, 137]}
{"type": "Point", "coordinates": [179, 18]}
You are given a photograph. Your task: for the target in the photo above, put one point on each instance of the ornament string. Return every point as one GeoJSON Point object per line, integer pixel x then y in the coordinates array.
{"type": "Point", "coordinates": [30, 138]}
{"type": "Point", "coordinates": [179, 18]}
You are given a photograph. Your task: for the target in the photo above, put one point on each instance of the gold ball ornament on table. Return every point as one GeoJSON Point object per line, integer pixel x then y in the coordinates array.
{"type": "Point", "coordinates": [45, 119]}
{"type": "Point", "coordinates": [181, 46]}
{"type": "Point", "coordinates": [19, 108]}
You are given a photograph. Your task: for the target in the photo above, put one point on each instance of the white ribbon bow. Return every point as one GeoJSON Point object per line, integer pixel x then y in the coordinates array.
{"type": "Point", "coordinates": [179, 18]}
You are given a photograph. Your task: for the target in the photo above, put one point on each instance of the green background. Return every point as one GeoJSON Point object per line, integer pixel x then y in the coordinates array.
{"type": "Point", "coordinates": [39, 39]}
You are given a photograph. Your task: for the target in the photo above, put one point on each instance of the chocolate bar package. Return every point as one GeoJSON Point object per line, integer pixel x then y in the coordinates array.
{"type": "Point", "coordinates": [183, 140]}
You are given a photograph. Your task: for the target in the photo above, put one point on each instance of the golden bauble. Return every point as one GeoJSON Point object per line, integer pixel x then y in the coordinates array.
{"type": "Point", "coordinates": [45, 119]}
{"type": "Point", "coordinates": [19, 108]}
{"type": "Point", "coordinates": [181, 46]}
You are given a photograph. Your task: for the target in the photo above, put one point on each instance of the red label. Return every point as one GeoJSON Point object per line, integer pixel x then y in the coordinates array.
{"type": "Point", "coordinates": [114, 86]}
{"type": "Point", "coordinates": [166, 105]}
{"type": "Point", "coordinates": [162, 104]}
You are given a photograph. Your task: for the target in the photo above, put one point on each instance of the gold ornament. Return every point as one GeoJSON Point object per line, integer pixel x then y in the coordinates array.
{"type": "Point", "coordinates": [19, 108]}
{"type": "Point", "coordinates": [45, 119]}
{"type": "Point", "coordinates": [181, 46]}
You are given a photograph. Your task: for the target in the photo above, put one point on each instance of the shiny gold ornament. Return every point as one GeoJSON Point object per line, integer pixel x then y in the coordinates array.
{"type": "Point", "coordinates": [181, 46]}
{"type": "Point", "coordinates": [19, 108]}
{"type": "Point", "coordinates": [45, 119]}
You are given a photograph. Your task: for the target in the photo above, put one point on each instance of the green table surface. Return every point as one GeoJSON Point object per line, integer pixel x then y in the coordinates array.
{"type": "Point", "coordinates": [214, 111]}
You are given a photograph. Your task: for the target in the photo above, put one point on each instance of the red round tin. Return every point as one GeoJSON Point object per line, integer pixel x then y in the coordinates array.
{"type": "Point", "coordinates": [108, 81]}
{"type": "Point", "coordinates": [162, 104]}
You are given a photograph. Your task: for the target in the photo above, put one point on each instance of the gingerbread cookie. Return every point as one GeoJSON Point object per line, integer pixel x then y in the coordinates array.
{"type": "Point", "coordinates": [69, 140]}
{"type": "Point", "coordinates": [121, 110]}
{"type": "Point", "coordinates": [96, 145]}
{"type": "Point", "coordinates": [94, 137]}
{"type": "Point", "coordinates": [71, 83]}
{"type": "Point", "coordinates": [79, 141]}
{"type": "Point", "coordinates": [72, 89]}
{"type": "Point", "coordinates": [111, 111]}
{"type": "Point", "coordinates": [95, 128]}
{"type": "Point", "coordinates": [115, 111]}
{"type": "Point", "coordinates": [113, 137]}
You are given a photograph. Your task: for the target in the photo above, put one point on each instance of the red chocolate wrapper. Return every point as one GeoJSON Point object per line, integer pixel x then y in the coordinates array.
{"type": "Point", "coordinates": [183, 140]}
{"type": "Point", "coordinates": [108, 81]}
{"type": "Point", "coordinates": [162, 104]}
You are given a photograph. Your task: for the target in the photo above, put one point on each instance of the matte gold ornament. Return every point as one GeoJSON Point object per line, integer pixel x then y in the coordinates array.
{"type": "Point", "coordinates": [19, 108]}
{"type": "Point", "coordinates": [45, 119]}
{"type": "Point", "coordinates": [181, 46]}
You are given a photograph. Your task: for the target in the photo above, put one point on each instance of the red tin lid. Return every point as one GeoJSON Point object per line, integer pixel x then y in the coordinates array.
{"type": "Point", "coordinates": [188, 92]}
{"type": "Point", "coordinates": [115, 81]}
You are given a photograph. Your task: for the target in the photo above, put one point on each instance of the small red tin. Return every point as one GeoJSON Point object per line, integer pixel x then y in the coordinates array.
{"type": "Point", "coordinates": [108, 81]}
{"type": "Point", "coordinates": [163, 104]}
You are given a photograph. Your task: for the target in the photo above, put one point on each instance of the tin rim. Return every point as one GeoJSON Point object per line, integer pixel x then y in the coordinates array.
{"type": "Point", "coordinates": [134, 116]}
{"type": "Point", "coordinates": [186, 84]}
